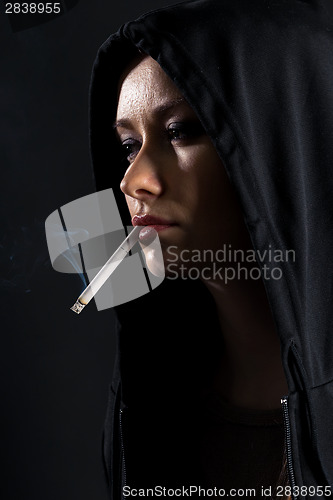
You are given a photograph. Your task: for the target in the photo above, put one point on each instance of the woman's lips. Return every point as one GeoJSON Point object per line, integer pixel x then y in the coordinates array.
{"type": "Point", "coordinates": [150, 220]}
{"type": "Point", "coordinates": [150, 224]}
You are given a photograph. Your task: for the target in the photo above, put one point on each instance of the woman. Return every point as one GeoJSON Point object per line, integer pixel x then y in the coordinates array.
{"type": "Point", "coordinates": [222, 112]}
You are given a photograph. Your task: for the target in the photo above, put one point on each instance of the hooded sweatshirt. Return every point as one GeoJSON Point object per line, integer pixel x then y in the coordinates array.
{"type": "Point", "coordinates": [259, 76]}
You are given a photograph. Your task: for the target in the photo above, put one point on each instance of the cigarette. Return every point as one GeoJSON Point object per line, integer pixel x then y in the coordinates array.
{"type": "Point", "coordinates": [109, 267]}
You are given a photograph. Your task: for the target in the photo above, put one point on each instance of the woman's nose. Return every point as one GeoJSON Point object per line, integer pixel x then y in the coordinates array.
{"type": "Point", "coordinates": [143, 179]}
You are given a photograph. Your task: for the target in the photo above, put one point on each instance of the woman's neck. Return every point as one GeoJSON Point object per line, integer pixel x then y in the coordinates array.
{"type": "Point", "coordinates": [250, 373]}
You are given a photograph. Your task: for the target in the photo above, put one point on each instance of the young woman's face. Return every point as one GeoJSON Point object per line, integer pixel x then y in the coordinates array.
{"type": "Point", "coordinates": [174, 173]}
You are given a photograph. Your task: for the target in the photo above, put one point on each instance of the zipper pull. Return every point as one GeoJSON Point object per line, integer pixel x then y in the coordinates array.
{"type": "Point", "coordinates": [287, 429]}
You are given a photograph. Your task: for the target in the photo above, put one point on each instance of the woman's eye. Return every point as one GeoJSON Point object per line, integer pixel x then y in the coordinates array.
{"type": "Point", "coordinates": [176, 133]}
{"type": "Point", "coordinates": [130, 148]}
{"type": "Point", "coordinates": [182, 130]}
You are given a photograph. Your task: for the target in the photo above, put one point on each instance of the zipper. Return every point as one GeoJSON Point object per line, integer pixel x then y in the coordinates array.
{"type": "Point", "coordinates": [123, 464]}
{"type": "Point", "coordinates": [291, 474]}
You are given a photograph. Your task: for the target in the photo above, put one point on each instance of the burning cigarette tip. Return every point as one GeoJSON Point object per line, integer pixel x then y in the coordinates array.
{"type": "Point", "coordinates": [77, 307]}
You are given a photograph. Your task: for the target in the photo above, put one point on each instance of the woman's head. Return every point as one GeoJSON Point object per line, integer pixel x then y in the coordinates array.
{"type": "Point", "coordinates": [174, 172]}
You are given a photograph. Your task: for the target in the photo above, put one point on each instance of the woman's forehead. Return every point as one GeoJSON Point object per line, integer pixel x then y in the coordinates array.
{"type": "Point", "coordinates": [144, 83]}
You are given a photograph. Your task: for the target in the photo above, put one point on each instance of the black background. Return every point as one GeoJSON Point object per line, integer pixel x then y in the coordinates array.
{"type": "Point", "coordinates": [55, 365]}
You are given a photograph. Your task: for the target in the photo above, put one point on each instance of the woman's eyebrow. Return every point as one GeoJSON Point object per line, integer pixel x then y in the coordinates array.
{"type": "Point", "coordinates": [160, 109]}
{"type": "Point", "coordinates": [123, 123]}
{"type": "Point", "coordinates": [166, 106]}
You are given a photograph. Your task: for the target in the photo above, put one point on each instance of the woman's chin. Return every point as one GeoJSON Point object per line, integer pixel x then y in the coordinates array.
{"type": "Point", "coordinates": [154, 261]}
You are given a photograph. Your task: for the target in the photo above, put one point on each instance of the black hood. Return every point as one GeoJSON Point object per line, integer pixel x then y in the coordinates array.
{"type": "Point", "coordinates": [259, 76]}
